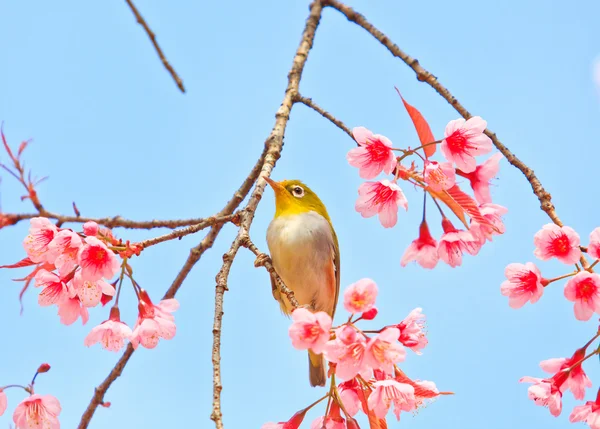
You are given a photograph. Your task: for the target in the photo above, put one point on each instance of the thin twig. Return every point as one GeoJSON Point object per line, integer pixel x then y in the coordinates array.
{"type": "Point", "coordinates": [159, 51]}
{"type": "Point", "coordinates": [424, 76]}
{"type": "Point", "coordinates": [309, 103]}
{"type": "Point", "coordinates": [274, 144]}
{"type": "Point", "coordinates": [194, 256]}
{"type": "Point", "coordinates": [179, 233]}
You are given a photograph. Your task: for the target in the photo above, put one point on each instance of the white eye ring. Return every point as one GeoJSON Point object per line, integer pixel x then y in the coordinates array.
{"type": "Point", "coordinates": [298, 192]}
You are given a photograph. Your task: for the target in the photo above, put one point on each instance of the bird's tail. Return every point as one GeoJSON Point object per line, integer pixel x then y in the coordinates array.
{"type": "Point", "coordinates": [316, 369]}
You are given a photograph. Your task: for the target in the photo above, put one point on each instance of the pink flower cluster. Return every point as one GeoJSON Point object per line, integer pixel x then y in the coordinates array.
{"type": "Point", "coordinates": [367, 364]}
{"type": "Point", "coordinates": [524, 283]}
{"type": "Point", "coordinates": [73, 271]}
{"type": "Point", "coordinates": [462, 142]}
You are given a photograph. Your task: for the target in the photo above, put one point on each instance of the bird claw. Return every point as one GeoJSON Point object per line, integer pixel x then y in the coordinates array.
{"type": "Point", "coordinates": [262, 259]}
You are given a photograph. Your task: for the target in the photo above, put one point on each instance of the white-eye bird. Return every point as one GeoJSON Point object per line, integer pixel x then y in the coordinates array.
{"type": "Point", "coordinates": [306, 255]}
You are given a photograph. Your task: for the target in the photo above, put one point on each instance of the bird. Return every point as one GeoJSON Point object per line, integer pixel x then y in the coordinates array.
{"type": "Point", "coordinates": [305, 254]}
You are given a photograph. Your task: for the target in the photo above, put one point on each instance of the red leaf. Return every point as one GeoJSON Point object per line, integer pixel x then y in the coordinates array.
{"type": "Point", "coordinates": [444, 197]}
{"type": "Point", "coordinates": [25, 262]}
{"type": "Point", "coordinates": [469, 205]}
{"type": "Point", "coordinates": [422, 127]}
{"type": "Point", "coordinates": [374, 421]}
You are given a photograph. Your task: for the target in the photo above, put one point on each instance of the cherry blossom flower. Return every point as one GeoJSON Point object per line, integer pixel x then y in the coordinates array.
{"type": "Point", "coordinates": [70, 309]}
{"type": "Point", "coordinates": [464, 140]}
{"type": "Point", "coordinates": [388, 392]}
{"type": "Point", "coordinates": [454, 242]}
{"type": "Point", "coordinates": [524, 283]}
{"type": "Point", "coordinates": [589, 413]}
{"type": "Point", "coordinates": [411, 331]}
{"type": "Point", "coordinates": [594, 246]}
{"type": "Point", "coordinates": [373, 155]}
{"type": "Point", "coordinates": [423, 250]}
{"type": "Point", "coordinates": [481, 176]}
{"type": "Point", "coordinates": [584, 289]}
{"type": "Point", "coordinates": [37, 412]}
{"type": "Point", "coordinates": [3, 401]}
{"type": "Point", "coordinates": [577, 380]}
{"type": "Point", "coordinates": [64, 249]}
{"type": "Point", "coordinates": [439, 176]}
{"type": "Point", "coordinates": [309, 330]}
{"type": "Point", "coordinates": [545, 393]}
{"type": "Point", "coordinates": [154, 321]}
{"type": "Point", "coordinates": [293, 423]}
{"type": "Point", "coordinates": [360, 297]}
{"type": "Point", "coordinates": [96, 260]}
{"type": "Point", "coordinates": [493, 214]}
{"type": "Point", "coordinates": [41, 233]}
{"type": "Point", "coordinates": [348, 352]}
{"type": "Point", "coordinates": [381, 198]}
{"type": "Point", "coordinates": [54, 289]}
{"type": "Point", "coordinates": [111, 333]}
{"type": "Point", "coordinates": [383, 350]}
{"type": "Point", "coordinates": [90, 228]}
{"type": "Point", "coordinates": [90, 292]}
{"type": "Point", "coordinates": [559, 242]}
{"type": "Point", "coordinates": [349, 391]}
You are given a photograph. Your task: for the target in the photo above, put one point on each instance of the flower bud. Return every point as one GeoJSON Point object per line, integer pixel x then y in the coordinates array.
{"type": "Point", "coordinates": [43, 368]}
{"type": "Point", "coordinates": [370, 315]}
{"type": "Point", "coordinates": [90, 228]}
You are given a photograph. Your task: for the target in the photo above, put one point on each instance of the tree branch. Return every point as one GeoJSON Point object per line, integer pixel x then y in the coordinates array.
{"type": "Point", "coordinates": [159, 51]}
{"type": "Point", "coordinates": [309, 103]}
{"type": "Point", "coordinates": [425, 76]}
{"type": "Point", "coordinates": [274, 144]}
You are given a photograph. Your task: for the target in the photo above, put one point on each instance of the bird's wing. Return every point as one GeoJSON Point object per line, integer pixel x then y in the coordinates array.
{"type": "Point", "coordinates": [336, 266]}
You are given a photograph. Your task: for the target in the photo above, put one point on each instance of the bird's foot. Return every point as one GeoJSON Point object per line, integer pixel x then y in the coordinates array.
{"type": "Point", "coordinates": [262, 259]}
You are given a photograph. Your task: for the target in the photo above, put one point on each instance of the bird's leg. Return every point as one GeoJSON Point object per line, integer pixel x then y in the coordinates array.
{"type": "Point", "coordinates": [262, 260]}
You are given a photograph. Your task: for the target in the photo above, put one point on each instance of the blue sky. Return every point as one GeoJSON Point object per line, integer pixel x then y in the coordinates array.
{"type": "Point", "coordinates": [115, 135]}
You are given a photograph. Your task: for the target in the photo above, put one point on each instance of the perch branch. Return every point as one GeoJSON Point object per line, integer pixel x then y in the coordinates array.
{"type": "Point", "coordinates": [274, 144]}
{"type": "Point", "coordinates": [309, 103]}
{"type": "Point", "coordinates": [159, 51]}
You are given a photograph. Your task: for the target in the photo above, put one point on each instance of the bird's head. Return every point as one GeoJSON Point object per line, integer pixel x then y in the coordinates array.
{"type": "Point", "coordinates": [294, 197]}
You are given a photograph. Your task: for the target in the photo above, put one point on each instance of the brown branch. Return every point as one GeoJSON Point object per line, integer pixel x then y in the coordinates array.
{"type": "Point", "coordinates": [274, 144]}
{"type": "Point", "coordinates": [263, 260]}
{"type": "Point", "coordinates": [109, 222]}
{"type": "Point", "coordinates": [179, 233]}
{"type": "Point", "coordinates": [424, 76]}
{"type": "Point", "coordinates": [159, 51]}
{"type": "Point", "coordinates": [309, 103]}
{"type": "Point", "coordinates": [194, 256]}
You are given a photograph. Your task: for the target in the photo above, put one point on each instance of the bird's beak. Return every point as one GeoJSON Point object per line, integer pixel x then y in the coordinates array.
{"type": "Point", "coordinates": [277, 188]}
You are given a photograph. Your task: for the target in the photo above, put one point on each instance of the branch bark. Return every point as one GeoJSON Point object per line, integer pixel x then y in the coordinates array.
{"type": "Point", "coordinates": [274, 144]}
{"type": "Point", "coordinates": [335, 121]}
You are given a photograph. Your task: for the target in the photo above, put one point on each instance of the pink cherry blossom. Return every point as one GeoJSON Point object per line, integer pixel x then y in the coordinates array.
{"type": "Point", "coordinates": [594, 246]}
{"type": "Point", "coordinates": [327, 423]}
{"type": "Point", "coordinates": [309, 330]}
{"type": "Point", "coordinates": [525, 283]}
{"type": "Point", "coordinates": [3, 401]}
{"type": "Point", "coordinates": [373, 155]}
{"type": "Point", "coordinates": [154, 322]}
{"type": "Point", "coordinates": [54, 289]}
{"type": "Point", "coordinates": [348, 352]}
{"type": "Point", "coordinates": [271, 425]}
{"type": "Point", "coordinates": [577, 380]}
{"type": "Point", "coordinates": [111, 333]}
{"type": "Point", "coordinates": [381, 198]}
{"type": "Point", "coordinates": [96, 260]}
{"type": "Point", "coordinates": [423, 250]}
{"type": "Point", "coordinates": [41, 233]}
{"type": "Point", "coordinates": [412, 333]}
{"type": "Point", "coordinates": [388, 392]}
{"type": "Point", "coordinates": [360, 297]}
{"type": "Point", "coordinates": [37, 412]}
{"type": "Point", "coordinates": [439, 176]}
{"type": "Point", "coordinates": [349, 391]}
{"type": "Point", "coordinates": [454, 242]}
{"type": "Point", "coordinates": [90, 228]}
{"type": "Point", "coordinates": [90, 291]}
{"type": "Point", "coordinates": [544, 393]}
{"type": "Point", "coordinates": [64, 249]}
{"type": "Point", "coordinates": [559, 242]}
{"type": "Point", "coordinates": [589, 413]}
{"type": "Point", "coordinates": [481, 176]}
{"type": "Point", "coordinates": [584, 289]}
{"type": "Point", "coordinates": [493, 214]}
{"type": "Point", "coordinates": [383, 350]}
{"type": "Point", "coordinates": [464, 140]}
{"type": "Point", "coordinates": [70, 309]}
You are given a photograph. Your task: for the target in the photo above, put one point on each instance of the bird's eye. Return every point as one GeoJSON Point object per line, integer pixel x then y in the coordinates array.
{"type": "Point", "coordinates": [298, 192]}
